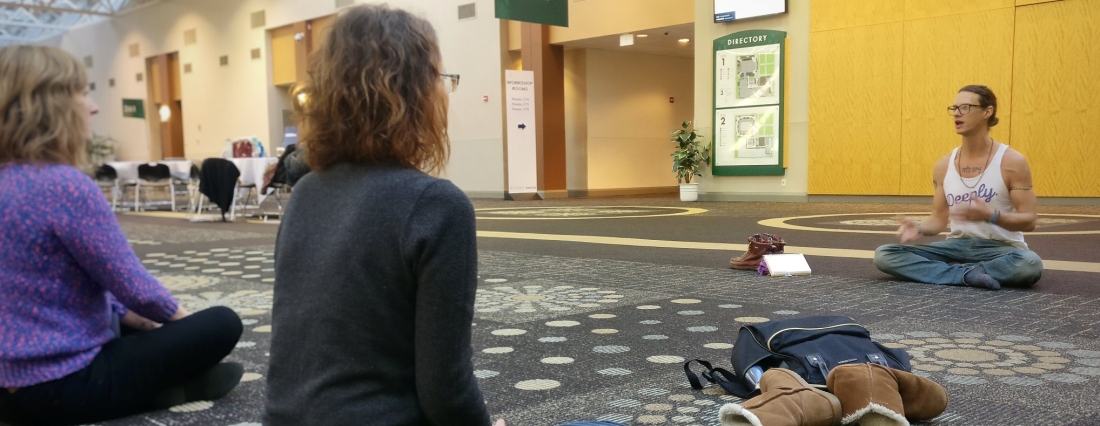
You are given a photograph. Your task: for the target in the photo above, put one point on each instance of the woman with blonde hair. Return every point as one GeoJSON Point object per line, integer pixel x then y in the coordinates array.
{"type": "Point", "coordinates": [67, 273]}
{"type": "Point", "coordinates": [376, 260]}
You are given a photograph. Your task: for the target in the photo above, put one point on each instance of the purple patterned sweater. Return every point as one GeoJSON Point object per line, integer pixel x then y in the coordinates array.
{"type": "Point", "coordinates": [62, 258]}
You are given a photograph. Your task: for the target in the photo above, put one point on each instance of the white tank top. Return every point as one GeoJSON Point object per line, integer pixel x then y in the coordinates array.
{"type": "Point", "coordinates": [991, 188]}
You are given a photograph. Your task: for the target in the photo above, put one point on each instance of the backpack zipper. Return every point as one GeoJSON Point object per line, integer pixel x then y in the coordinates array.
{"type": "Point", "coordinates": [769, 346]}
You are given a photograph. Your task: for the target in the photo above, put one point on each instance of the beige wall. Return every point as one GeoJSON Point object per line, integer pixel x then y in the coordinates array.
{"type": "Point", "coordinates": [797, 25]}
{"type": "Point", "coordinates": [239, 99]}
{"type": "Point", "coordinates": [628, 115]}
{"type": "Point", "coordinates": [598, 18]}
{"type": "Point", "coordinates": [576, 119]}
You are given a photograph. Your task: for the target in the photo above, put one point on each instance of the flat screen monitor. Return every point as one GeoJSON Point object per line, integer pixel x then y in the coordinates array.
{"type": "Point", "coordinates": [731, 10]}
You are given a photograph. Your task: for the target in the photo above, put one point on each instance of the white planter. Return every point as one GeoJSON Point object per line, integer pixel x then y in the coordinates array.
{"type": "Point", "coordinates": [689, 192]}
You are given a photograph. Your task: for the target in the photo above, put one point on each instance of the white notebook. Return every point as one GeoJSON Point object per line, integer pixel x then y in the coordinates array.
{"type": "Point", "coordinates": [786, 264]}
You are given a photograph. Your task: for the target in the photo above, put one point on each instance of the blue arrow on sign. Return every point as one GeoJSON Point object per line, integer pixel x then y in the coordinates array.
{"type": "Point", "coordinates": [522, 126]}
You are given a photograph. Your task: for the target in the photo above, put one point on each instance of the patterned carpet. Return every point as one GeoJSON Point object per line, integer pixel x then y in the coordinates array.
{"type": "Point", "coordinates": [560, 338]}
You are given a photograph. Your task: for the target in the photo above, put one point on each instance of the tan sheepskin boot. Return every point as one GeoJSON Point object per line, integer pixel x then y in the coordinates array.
{"type": "Point", "coordinates": [869, 395]}
{"type": "Point", "coordinates": [781, 378]}
{"type": "Point", "coordinates": [786, 402]}
{"type": "Point", "coordinates": [923, 399]}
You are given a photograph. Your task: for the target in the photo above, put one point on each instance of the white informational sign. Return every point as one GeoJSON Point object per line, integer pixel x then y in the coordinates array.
{"type": "Point", "coordinates": [522, 156]}
{"type": "Point", "coordinates": [731, 10]}
{"type": "Point", "coordinates": [747, 77]}
{"type": "Point", "coordinates": [747, 136]}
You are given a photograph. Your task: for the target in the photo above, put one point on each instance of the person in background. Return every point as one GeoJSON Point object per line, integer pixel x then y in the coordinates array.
{"type": "Point", "coordinates": [376, 260]}
{"type": "Point", "coordinates": [984, 187]}
{"type": "Point", "coordinates": [68, 276]}
{"type": "Point", "coordinates": [296, 166]}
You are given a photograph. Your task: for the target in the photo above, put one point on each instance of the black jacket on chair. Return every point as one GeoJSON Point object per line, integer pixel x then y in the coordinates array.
{"type": "Point", "coordinates": [280, 175]}
{"type": "Point", "coordinates": [218, 178]}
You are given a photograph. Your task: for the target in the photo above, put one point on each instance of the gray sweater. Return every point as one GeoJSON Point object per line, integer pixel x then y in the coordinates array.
{"type": "Point", "coordinates": [375, 280]}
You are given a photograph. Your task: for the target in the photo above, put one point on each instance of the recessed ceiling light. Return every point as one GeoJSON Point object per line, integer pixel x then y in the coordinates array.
{"type": "Point", "coordinates": [684, 40]}
{"type": "Point", "coordinates": [642, 35]}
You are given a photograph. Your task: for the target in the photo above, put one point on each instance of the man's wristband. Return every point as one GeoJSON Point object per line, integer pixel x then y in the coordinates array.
{"type": "Point", "coordinates": [919, 230]}
{"type": "Point", "coordinates": [996, 215]}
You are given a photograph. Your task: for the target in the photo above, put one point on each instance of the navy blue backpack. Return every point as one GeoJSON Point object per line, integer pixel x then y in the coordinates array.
{"type": "Point", "coordinates": [809, 346]}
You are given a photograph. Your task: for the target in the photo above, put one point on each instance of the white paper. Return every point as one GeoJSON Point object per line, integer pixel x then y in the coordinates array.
{"type": "Point", "coordinates": [786, 264]}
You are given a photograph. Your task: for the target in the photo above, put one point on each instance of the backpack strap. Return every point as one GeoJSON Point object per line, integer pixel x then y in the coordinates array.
{"type": "Point", "coordinates": [877, 358]}
{"type": "Point", "coordinates": [723, 377]}
{"type": "Point", "coordinates": [816, 360]}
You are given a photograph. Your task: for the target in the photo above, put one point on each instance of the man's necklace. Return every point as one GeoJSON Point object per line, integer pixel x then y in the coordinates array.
{"type": "Point", "coordinates": [958, 166]}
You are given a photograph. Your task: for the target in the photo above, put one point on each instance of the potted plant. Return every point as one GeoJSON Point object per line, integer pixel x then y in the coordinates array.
{"type": "Point", "coordinates": [101, 149]}
{"type": "Point", "coordinates": [688, 160]}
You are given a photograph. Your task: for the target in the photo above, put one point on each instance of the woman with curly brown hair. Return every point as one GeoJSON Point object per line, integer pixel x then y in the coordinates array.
{"type": "Point", "coordinates": [67, 273]}
{"type": "Point", "coordinates": [376, 260]}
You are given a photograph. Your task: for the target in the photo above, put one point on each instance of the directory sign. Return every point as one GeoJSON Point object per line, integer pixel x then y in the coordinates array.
{"type": "Point", "coordinates": [748, 103]}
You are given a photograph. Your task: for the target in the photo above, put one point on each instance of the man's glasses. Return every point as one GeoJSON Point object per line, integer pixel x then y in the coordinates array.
{"type": "Point", "coordinates": [962, 109]}
{"type": "Point", "coordinates": [450, 82]}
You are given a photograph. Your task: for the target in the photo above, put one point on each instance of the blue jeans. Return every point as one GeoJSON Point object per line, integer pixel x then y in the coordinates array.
{"type": "Point", "coordinates": [945, 262]}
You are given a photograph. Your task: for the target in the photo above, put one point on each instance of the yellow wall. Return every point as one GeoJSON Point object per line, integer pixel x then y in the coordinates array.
{"type": "Point", "coordinates": [1056, 95]}
{"type": "Point", "coordinates": [828, 15]}
{"type": "Point", "coordinates": [922, 9]}
{"type": "Point", "coordinates": [935, 67]}
{"type": "Point", "coordinates": [854, 128]}
{"type": "Point", "coordinates": [283, 68]}
{"type": "Point", "coordinates": [1027, 2]}
{"type": "Point", "coordinates": [881, 134]}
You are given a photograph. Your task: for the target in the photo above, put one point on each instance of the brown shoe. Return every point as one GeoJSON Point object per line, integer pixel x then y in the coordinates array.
{"type": "Point", "coordinates": [784, 407]}
{"type": "Point", "coordinates": [758, 247]}
{"type": "Point", "coordinates": [869, 395]}
{"type": "Point", "coordinates": [777, 243]}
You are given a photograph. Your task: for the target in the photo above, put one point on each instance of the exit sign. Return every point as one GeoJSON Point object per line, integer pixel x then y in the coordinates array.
{"type": "Point", "coordinates": [133, 108]}
{"type": "Point", "coordinates": [548, 12]}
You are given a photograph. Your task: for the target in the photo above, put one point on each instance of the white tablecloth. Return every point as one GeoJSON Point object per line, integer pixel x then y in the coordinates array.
{"type": "Point", "coordinates": [127, 170]}
{"type": "Point", "coordinates": [252, 171]}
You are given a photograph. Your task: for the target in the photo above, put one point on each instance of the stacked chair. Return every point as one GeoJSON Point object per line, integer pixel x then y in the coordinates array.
{"type": "Point", "coordinates": [154, 176]}
{"type": "Point", "coordinates": [107, 179]}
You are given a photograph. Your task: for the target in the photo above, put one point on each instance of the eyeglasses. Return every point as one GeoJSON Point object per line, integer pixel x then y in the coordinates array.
{"type": "Point", "coordinates": [962, 109]}
{"type": "Point", "coordinates": [450, 82]}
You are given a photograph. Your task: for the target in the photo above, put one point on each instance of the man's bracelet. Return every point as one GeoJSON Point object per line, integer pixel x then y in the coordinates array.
{"type": "Point", "coordinates": [919, 230]}
{"type": "Point", "coordinates": [996, 215]}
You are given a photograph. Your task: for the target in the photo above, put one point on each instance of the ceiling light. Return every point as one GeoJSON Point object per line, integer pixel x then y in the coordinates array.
{"type": "Point", "coordinates": [684, 40]}
{"type": "Point", "coordinates": [165, 113]}
{"type": "Point", "coordinates": [643, 35]}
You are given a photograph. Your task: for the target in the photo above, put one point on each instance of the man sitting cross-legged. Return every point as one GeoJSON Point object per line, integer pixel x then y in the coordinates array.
{"type": "Point", "coordinates": [985, 188]}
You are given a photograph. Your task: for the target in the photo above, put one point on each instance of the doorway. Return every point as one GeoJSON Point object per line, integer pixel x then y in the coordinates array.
{"type": "Point", "coordinates": [166, 112]}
